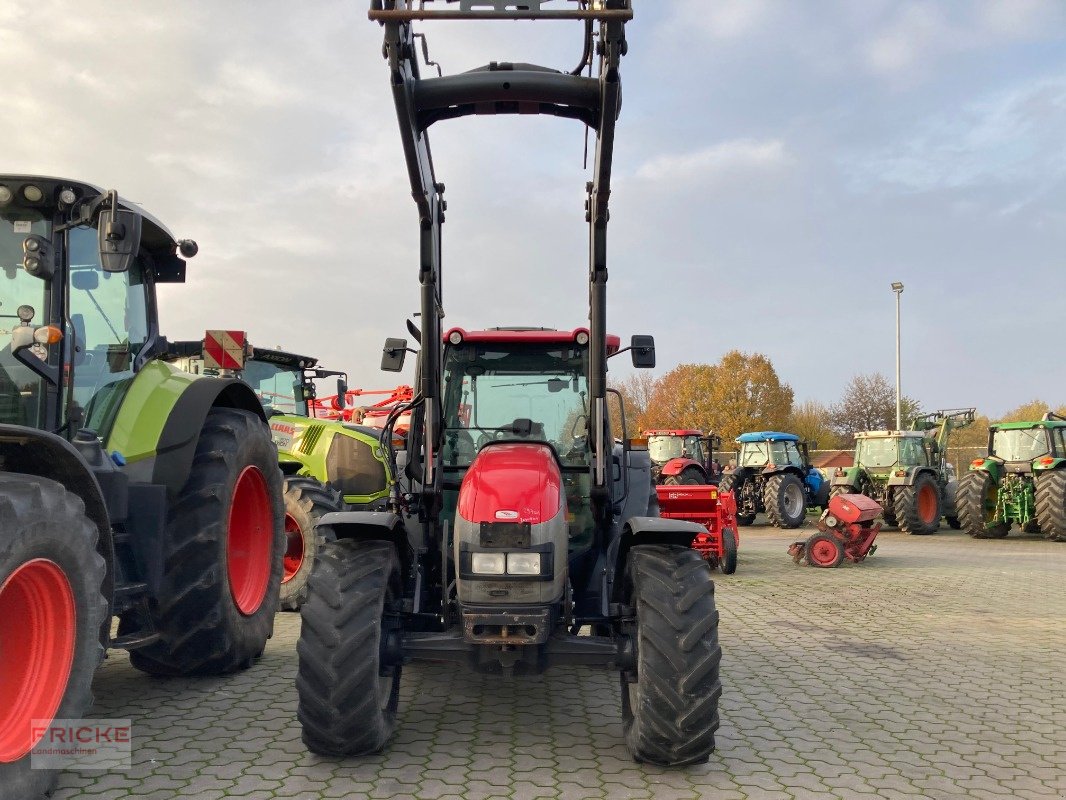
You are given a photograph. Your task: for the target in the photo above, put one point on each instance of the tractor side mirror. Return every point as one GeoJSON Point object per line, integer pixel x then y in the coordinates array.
{"type": "Point", "coordinates": [120, 237]}
{"type": "Point", "coordinates": [642, 349]}
{"type": "Point", "coordinates": [342, 390]}
{"type": "Point", "coordinates": [393, 355]}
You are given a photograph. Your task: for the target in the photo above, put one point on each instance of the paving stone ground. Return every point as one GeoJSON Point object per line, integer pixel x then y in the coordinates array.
{"type": "Point", "coordinates": [935, 669]}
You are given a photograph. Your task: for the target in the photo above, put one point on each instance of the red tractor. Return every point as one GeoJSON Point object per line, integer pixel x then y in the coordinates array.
{"type": "Point", "coordinates": [683, 456]}
{"type": "Point", "coordinates": [521, 535]}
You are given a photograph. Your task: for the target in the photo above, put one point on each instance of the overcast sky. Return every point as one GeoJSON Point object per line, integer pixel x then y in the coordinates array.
{"type": "Point", "coordinates": [778, 165]}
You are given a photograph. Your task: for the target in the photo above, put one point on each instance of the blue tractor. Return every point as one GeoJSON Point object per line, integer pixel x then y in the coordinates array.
{"type": "Point", "coordinates": [772, 474]}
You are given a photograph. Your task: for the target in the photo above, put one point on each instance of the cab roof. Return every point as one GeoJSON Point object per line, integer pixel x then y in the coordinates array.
{"type": "Point", "coordinates": [766, 436]}
{"type": "Point", "coordinates": [1020, 426]}
{"type": "Point", "coordinates": [673, 433]}
{"type": "Point", "coordinates": [890, 435]}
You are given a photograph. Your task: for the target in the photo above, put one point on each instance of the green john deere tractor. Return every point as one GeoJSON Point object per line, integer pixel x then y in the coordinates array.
{"type": "Point", "coordinates": [129, 489]}
{"type": "Point", "coordinates": [1022, 481]}
{"type": "Point", "coordinates": [907, 471]}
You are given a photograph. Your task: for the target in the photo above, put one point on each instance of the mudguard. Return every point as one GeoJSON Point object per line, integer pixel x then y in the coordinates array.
{"type": "Point", "coordinates": [160, 419]}
{"type": "Point", "coordinates": [993, 468]}
{"type": "Point", "coordinates": [366, 525]}
{"type": "Point", "coordinates": [675, 466]}
{"type": "Point", "coordinates": [910, 477]}
{"type": "Point", "coordinates": [851, 477]}
{"type": "Point", "coordinates": [645, 530]}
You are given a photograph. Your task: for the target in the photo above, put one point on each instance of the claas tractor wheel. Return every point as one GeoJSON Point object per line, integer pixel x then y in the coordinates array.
{"type": "Point", "coordinates": [306, 500]}
{"type": "Point", "coordinates": [670, 702]}
{"type": "Point", "coordinates": [347, 693]}
{"type": "Point", "coordinates": [51, 612]}
{"type": "Point", "coordinates": [223, 550]}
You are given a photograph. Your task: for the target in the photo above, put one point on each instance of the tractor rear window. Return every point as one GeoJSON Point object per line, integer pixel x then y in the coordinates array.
{"type": "Point", "coordinates": [276, 386]}
{"type": "Point", "coordinates": [1020, 445]}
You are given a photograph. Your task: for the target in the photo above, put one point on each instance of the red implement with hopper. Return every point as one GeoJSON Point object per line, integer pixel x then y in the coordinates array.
{"type": "Point", "coordinates": [846, 530]}
{"type": "Point", "coordinates": [714, 510]}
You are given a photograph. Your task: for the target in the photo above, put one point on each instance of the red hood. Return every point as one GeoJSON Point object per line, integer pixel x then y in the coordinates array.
{"type": "Point", "coordinates": [517, 482]}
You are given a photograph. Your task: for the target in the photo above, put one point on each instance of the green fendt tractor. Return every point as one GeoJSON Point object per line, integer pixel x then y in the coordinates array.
{"type": "Point", "coordinates": [1022, 481]}
{"type": "Point", "coordinates": [907, 471]}
{"type": "Point", "coordinates": [129, 489]}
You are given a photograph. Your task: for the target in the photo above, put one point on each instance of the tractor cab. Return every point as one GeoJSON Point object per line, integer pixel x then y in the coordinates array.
{"type": "Point", "coordinates": [78, 268]}
{"type": "Point", "coordinates": [682, 456]}
{"type": "Point", "coordinates": [521, 386]}
{"type": "Point", "coordinates": [884, 451]}
{"type": "Point", "coordinates": [1017, 445]}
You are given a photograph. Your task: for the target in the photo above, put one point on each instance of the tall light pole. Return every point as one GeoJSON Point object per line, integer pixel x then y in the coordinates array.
{"type": "Point", "coordinates": [897, 287]}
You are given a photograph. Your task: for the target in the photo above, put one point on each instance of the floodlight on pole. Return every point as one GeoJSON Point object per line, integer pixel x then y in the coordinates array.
{"type": "Point", "coordinates": [897, 287]}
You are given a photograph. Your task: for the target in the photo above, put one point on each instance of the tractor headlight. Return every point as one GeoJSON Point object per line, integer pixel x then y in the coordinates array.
{"type": "Point", "coordinates": [488, 563]}
{"type": "Point", "coordinates": [523, 563]}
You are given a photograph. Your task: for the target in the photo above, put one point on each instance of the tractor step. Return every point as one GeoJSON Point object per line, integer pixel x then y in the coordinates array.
{"type": "Point", "coordinates": [133, 641]}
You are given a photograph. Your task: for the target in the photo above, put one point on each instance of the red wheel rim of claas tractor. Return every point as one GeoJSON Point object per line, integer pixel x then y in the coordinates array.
{"type": "Point", "coordinates": [927, 503]}
{"type": "Point", "coordinates": [250, 540]}
{"type": "Point", "coordinates": [294, 548]}
{"type": "Point", "coordinates": [38, 626]}
{"type": "Point", "coordinates": [822, 552]}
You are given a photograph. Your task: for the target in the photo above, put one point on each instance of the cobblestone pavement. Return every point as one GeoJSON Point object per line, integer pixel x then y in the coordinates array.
{"type": "Point", "coordinates": [934, 669]}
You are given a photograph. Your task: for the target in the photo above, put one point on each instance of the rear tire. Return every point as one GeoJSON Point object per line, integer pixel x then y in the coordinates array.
{"type": "Point", "coordinates": [670, 707]}
{"type": "Point", "coordinates": [917, 506]}
{"type": "Point", "coordinates": [976, 503]}
{"type": "Point", "coordinates": [306, 500]}
{"type": "Point", "coordinates": [347, 696]}
{"type": "Point", "coordinates": [51, 602]}
{"type": "Point", "coordinates": [692, 477]}
{"type": "Point", "coordinates": [223, 550]}
{"type": "Point", "coordinates": [729, 551]}
{"type": "Point", "coordinates": [785, 501]}
{"type": "Point", "coordinates": [729, 483]}
{"type": "Point", "coordinates": [1051, 504]}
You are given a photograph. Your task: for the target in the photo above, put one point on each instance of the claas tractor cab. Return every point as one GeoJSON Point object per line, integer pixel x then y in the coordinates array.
{"type": "Point", "coordinates": [683, 456]}
{"type": "Point", "coordinates": [521, 536]}
{"type": "Point", "coordinates": [906, 472]}
{"type": "Point", "coordinates": [129, 489]}
{"type": "Point", "coordinates": [1022, 481]}
{"type": "Point", "coordinates": [772, 473]}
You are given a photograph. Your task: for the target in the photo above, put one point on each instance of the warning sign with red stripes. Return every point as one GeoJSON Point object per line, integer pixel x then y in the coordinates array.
{"type": "Point", "coordinates": [224, 350]}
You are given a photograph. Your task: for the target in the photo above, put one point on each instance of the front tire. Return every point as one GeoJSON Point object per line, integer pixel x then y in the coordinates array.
{"type": "Point", "coordinates": [670, 706]}
{"type": "Point", "coordinates": [348, 695]}
{"type": "Point", "coordinates": [306, 500]}
{"type": "Point", "coordinates": [51, 612]}
{"type": "Point", "coordinates": [917, 506]}
{"type": "Point", "coordinates": [223, 550]}
{"type": "Point", "coordinates": [976, 504]}
{"type": "Point", "coordinates": [785, 501]}
{"type": "Point", "coordinates": [1051, 504]}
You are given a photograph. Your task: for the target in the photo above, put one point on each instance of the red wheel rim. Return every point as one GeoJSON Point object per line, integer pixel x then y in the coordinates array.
{"type": "Point", "coordinates": [927, 504]}
{"type": "Point", "coordinates": [822, 552]}
{"type": "Point", "coordinates": [250, 541]}
{"type": "Point", "coordinates": [294, 548]}
{"type": "Point", "coordinates": [38, 625]}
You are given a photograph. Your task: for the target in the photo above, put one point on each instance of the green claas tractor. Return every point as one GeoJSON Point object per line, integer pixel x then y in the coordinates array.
{"type": "Point", "coordinates": [773, 474]}
{"type": "Point", "coordinates": [329, 464]}
{"type": "Point", "coordinates": [129, 489]}
{"type": "Point", "coordinates": [1022, 481]}
{"type": "Point", "coordinates": [907, 471]}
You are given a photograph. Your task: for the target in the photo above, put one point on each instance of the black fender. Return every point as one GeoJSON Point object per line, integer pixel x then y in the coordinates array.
{"type": "Point", "coordinates": [177, 442]}
{"type": "Point", "coordinates": [645, 530]}
{"type": "Point", "coordinates": [29, 451]}
{"type": "Point", "coordinates": [370, 525]}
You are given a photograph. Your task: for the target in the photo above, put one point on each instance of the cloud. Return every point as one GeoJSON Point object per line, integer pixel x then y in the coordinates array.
{"type": "Point", "coordinates": [705, 164]}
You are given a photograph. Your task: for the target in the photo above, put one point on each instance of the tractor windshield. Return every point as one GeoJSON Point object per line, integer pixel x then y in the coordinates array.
{"type": "Point", "coordinates": [21, 389]}
{"type": "Point", "coordinates": [877, 452]}
{"type": "Point", "coordinates": [761, 454]}
{"type": "Point", "coordinates": [519, 391]}
{"type": "Point", "coordinates": [1020, 445]}
{"type": "Point", "coordinates": [278, 387]}
{"type": "Point", "coordinates": [663, 448]}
